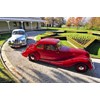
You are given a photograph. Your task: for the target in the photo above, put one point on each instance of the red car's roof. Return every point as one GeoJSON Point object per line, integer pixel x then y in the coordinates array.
{"type": "Point", "coordinates": [48, 41]}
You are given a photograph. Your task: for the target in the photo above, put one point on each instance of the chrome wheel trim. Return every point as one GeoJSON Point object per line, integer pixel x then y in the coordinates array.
{"type": "Point", "coordinates": [32, 57]}
{"type": "Point", "coordinates": [81, 68]}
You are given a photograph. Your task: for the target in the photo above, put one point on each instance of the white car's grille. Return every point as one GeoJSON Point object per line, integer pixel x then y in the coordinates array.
{"type": "Point", "coordinates": [16, 41]}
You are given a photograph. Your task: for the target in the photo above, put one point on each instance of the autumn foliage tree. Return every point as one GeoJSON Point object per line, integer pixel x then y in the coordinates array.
{"type": "Point", "coordinates": [74, 21]}
{"type": "Point", "coordinates": [70, 21]}
{"type": "Point", "coordinates": [77, 22]}
{"type": "Point", "coordinates": [94, 23]}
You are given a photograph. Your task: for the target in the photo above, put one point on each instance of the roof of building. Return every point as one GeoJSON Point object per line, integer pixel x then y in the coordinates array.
{"type": "Point", "coordinates": [27, 19]}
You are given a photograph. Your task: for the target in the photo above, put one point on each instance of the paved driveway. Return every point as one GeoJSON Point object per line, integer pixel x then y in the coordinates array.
{"type": "Point", "coordinates": [28, 71]}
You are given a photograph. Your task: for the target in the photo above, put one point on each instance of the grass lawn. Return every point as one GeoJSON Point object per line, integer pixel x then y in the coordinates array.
{"type": "Point", "coordinates": [66, 43]}
{"type": "Point", "coordinates": [74, 29]}
{"type": "Point", "coordinates": [5, 76]}
{"type": "Point", "coordinates": [3, 38]}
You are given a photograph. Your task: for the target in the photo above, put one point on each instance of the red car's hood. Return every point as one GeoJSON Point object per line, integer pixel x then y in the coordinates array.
{"type": "Point", "coordinates": [78, 50]}
{"type": "Point", "coordinates": [64, 49]}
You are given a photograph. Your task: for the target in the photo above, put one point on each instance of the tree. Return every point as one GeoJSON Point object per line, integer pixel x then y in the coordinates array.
{"type": "Point", "coordinates": [49, 21]}
{"type": "Point", "coordinates": [91, 23]}
{"type": "Point", "coordinates": [54, 21]}
{"type": "Point", "coordinates": [59, 21]}
{"type": "Point", "coordinates": [77, 21]}
{"type": "Point", "coordinates": [70, 21]}
{"type": "Point", "coordinates": [97, 23]}
{"type": "Point", "coordinates": [94, 23]}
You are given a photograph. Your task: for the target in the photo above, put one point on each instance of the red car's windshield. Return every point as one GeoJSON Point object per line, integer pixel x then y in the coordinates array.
{"type": "Point", "coordinates": [61, 47]}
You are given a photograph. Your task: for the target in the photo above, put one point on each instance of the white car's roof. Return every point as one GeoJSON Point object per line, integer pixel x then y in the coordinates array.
{"type": "Point", "coordinates": [18, 30]}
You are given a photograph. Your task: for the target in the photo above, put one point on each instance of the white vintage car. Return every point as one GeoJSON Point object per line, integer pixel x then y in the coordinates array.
{"type": "Point", "coordinates": [18, 38]}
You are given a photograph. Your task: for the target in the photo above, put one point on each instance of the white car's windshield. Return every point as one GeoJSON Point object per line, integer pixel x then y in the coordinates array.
{"type": "Point", "coordinates": [18, 32]}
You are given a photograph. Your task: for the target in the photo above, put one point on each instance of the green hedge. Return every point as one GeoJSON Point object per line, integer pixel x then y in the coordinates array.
{"type": "Point", "coordinates": [94, 49]}
{"type": "Point", "coordinates": [75, 43]}
{"type": "Point", "coordinates": [56, 37]}
{"type": "Point", "coordinates": [91, 41]}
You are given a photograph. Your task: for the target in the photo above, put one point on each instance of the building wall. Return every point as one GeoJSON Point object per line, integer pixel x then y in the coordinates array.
{"type": "Point", "coordinates": [12, 26]}
{"type": "Point", "coordinates": [34, 25]}
{"type": "Point", "coordinates": [3, 26]}
{"type": "Point", "coordinates": [27, 25]}
{"type": "Point", "coordinates": [15, 25]}
{"type": "Point", "coordinates": [39, 25]}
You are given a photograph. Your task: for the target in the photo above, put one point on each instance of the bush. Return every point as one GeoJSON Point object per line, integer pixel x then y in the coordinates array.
{"type": "Point", "coordinates": [56, 37]}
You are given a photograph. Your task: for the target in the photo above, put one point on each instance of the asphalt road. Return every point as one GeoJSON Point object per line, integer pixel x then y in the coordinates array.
{"type": "Point", "coordinates": [44, 72]}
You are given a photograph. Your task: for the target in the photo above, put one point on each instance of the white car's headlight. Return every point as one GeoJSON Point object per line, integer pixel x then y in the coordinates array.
{"type": "Point", "coordinates": [10, 41]}
{"type": "Point", "coordinates": [23, 41]}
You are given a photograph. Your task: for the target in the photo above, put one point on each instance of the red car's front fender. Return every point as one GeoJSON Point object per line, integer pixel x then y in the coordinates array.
{"type": "Point", "coordinates": [24, 54]}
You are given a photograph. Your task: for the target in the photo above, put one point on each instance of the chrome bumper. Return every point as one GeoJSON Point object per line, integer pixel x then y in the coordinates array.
{"type": "Point", "coordinates": [17, 44]}
{"type": "Point", "coordinates": [93, 65]}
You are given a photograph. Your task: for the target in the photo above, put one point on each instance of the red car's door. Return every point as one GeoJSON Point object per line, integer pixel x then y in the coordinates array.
{"type": "Point", "coordinates": [50, 52]}
{"type": "Point", "coordinates": [40, 49]}
{"type": "Point", "coordinates": [64, 53]}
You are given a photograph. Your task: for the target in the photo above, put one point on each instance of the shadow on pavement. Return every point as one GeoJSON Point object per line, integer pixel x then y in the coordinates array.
{"type": "Point", "coordinates": [94, 72]}
{"type": "Point", "coordinates": [56, 76]}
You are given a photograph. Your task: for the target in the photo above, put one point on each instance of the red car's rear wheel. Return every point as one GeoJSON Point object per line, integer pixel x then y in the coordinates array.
{"type": "Point", "coordinates": [81, 67]}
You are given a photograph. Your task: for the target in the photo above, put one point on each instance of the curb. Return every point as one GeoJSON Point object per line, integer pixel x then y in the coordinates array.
{"type": "Point", "coordinates": [5, 65]}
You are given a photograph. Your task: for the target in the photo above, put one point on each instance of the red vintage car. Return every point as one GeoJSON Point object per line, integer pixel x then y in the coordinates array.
{"type": "Point", "coordinates": [52, 51]}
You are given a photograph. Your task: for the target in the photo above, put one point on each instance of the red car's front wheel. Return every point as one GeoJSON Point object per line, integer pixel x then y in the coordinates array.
{"type": "Point", "coordinates": [32, 57]}
{"type": "Point", "coordinates": [81, 67]}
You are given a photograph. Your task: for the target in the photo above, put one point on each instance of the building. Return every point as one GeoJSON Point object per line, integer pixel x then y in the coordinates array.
{"type": "Point", "coordinates": [27, 23]}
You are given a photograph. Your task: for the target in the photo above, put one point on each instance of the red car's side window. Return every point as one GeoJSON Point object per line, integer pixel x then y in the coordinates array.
{"type": "Point", "coordinates": [40, 46]}
{"type": "Point", "coordinates": [50, 47]}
